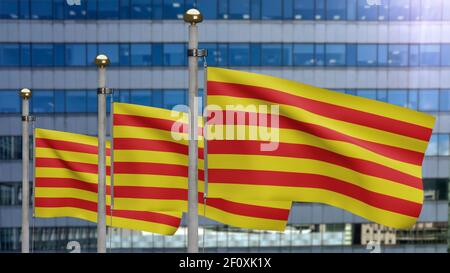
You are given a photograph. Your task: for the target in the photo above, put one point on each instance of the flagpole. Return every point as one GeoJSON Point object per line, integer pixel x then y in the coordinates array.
{"type": "Point", "coordinates": [26, 95]}
{"type": "Point", "coordinates": [101, 61]}
{"type": "Point", "coordinates": [193, 16]}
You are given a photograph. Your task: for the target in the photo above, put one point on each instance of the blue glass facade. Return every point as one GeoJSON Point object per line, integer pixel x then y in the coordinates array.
{"type": "Point", "coordinates": [361, 10]}
{"type": "Point", "coordinates": [80, 101]}
{"type": "Point", "coordinates": [228, 54]}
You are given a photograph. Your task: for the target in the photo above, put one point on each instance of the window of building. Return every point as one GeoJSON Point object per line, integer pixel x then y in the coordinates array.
{"type": "Point", "coordinates": [141, 54]}
{"type": "Point", "coordinates": [9, 9]}
{"type": "Point", "coordinates": [431, 10]}
{"type": "Point", "coordinates": [366, 12]}
{"type": "Point", "coordinates": [9, 55]}
{"type": "Point", "coordinates": [429, 100]}
{"type": "Point", "coordinates": [58, 55]}
{"type": "Point", "coordinates": [255, 6]}
{"type": "Point", "coordinates": [9, 102]}
{"type": "Point", "coordinates": [43, 102]}
{"type": "Point", "coordinates": [42, 54]}
{"type": "Point", "coordinates": [76, 101]}
{"type": "Point", "coordinates": [304, 9]}
{"type": "Point", "coordinates": [141, 97]}
{"type": "Point", "coordinates": [413, 55]}
{"type": "Point", "coordinates": [271, 10]}
{"type": "Point", "coordinates": [255, 51]}
{"type": "Point", "coordinates": [319, 13]}
{"type": "Point", "coordinates": [382, 55]}
{"type": "Point", "coordinates": [173, 9]}
{"type": "Point", "coordinates": [76, 11]}
{"type": "Point", "coordinates": [174, 54]}
{"type": "Point", "coordinates": [222, 9]}
{"type": "Point", "coordinates": [287, 55]}
{"type": "Point", "coordinates": [351, 53]}
{"type": "Point", "coordinates": [366, 55]}
{"type": "Point", "coordinates": [432, 149]}
{"type": "Point", "coordinates": [304, 55]}
{"type": "Point", "coordinates": [141, 9]}
{"type": "Point", "coordinates": [239, 9]}
{"type": "Point", "coordinates": [382, 95]}
{"type": "Point", "coordinates": [413, 99]}
{"type": "Point", "coordinates": [222, 56]}
{"type": "Point", "coordinates": [271, 54]}
{"type": "Point", "coordinates": [157, 54]}
{"type": "Point", "coordinates": [76, 55]}
{"type": "Point", "coordinates": [124, 54]}
{"type": "Point", "coordinates": [319, 54]}
{"type": "Point", "coordinates": [239, 54]}
{"type": "Point", "coordinates": [211, 59]}
{"type": "Point", "coordinates": [398, 55]}
{"type": "Point", "coordinates": [351, 9]}
{"type": "Point", "coordinates": [429, 55]}
{"type": "Point", "coordinates": [443, 144]}
{"type": "Point", "coordinates": [399, 10]}
{"type": "Point", "coordinates": [398, 97]}
{"type": "Point", "coordinates": [335, 55]}
{"type": "Point", "coordinates": [288, 9]}
{"type": "Point", "coordinates": [110, 50]}
{"type": "Point", "coordinates": [336, 10]}
{"type": "Point", "coordinates": [444, 100]}
{"type": "Point", "coordinates": [124, 9]}
{"type": "Point", "coordinates": [91, 101]}
{"type": "Point", "coordinates": [369, 94]}
{"type": "Point", "coordinates": [445, 55]}
{"type": "Point", "coordinates": [383, 10]}
{"type": "Point", "coordinates": [41, 9]}
{"type": "Point", "coordinates": [208, 8]}
{"type": "Point", "coordinates": [24, 9]}
{"type": "Point", "coordinates": [173, 97]}
{"type": "Point", "coordinates": [108, 9]}
{"type": "Point", "coordinates": [60, 101]}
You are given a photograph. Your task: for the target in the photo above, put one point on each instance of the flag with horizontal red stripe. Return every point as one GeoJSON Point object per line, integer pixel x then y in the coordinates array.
{"type": "Point", "coordinates": [151, 164]}
{"type": "Point", "coordinates": [66, 176]}
{"type": "Point", "coordinates": [276, 139]}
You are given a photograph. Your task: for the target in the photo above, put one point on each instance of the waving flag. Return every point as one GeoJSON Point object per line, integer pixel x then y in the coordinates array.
{"type": "Point", "coordinates": [66, 184]}
{"type": "Point", "coordinates": [357, 154]}
{"type": "Point", "coordinates": [151, 170]}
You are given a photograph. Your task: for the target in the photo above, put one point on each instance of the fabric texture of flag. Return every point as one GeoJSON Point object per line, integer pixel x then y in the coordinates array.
{"type": "Point", "coordinates": [66, 178]}
{"type": "Point", "coordinates": [357, 154]}
{"type": "Point", "coordinates": [151, 163]}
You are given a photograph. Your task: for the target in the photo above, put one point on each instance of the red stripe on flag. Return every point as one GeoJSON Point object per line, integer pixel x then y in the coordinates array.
{"type": "Point", "coordinates": [150, 168]}
{"type": "Point", "coordinates": [69, 146]}
{"type": "Point", "coordinates": [42, 162]}
{"type": "Point", "coordinates": [50, 182]}
{"type": "Point", "coordinates": [321, 108]}
{"type": "Point", "coordinates": [243, 147]}
{"type": "Point", "coordinates": [149, 145]}
{"type": "Point", "coordinates": [175, 194]}
{"type": "Point", "coordinates": [396, 153]}
{"type": "Point", "coordinates": [286, 179]}
{"type": "Point", "coordinates": [153, 217]}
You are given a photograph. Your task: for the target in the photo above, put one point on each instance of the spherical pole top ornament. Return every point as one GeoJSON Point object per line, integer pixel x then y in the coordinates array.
{"type": "Point", "coordinates": [102, 60]}
{"type": "Point", "coordinates": [193, 16]}
{"type": "Point", "coordinates": [25, 93]}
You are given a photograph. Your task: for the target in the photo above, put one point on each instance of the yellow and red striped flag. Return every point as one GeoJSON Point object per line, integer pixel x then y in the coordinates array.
{"type": "Point", "coordinates": [357, 154]}
{"type": "Point", "coordinates": [66, 177]}
{"type": "Point", "coordinates": [151, 163]}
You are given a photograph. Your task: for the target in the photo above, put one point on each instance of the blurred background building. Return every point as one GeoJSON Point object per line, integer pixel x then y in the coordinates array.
{"type": "Point", "coordinates": [397, 51]}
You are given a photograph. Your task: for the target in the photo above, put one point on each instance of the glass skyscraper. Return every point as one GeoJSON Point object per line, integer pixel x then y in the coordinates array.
{"type": "Point", "coordinates": [397, 51]}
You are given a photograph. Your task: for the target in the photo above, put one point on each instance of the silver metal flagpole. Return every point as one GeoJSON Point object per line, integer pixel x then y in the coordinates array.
{"type": "Point", "coordinates": [26, 95]}
{"type": "Point", "coordinates": [193, 17]}
{"type": "Point", "coordinates": [101, 61]}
